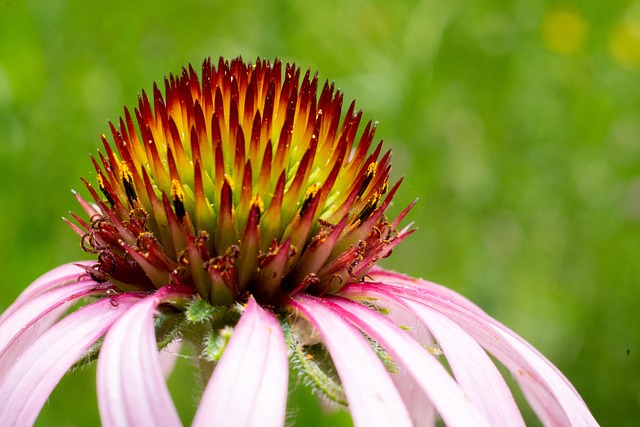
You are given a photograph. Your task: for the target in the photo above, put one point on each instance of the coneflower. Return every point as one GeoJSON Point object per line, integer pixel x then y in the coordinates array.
{"type": "Point", "coordinates": [241, 216]}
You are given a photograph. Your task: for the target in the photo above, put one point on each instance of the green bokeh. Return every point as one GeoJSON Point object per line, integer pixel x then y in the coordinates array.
{"type": "Point", "coordinates": [517, 124]}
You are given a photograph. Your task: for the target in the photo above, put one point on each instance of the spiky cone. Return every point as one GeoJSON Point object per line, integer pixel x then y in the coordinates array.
{"type": "Point", "coordinates": [240, 182]}
{"type": "Point", "coordinates": [240, 215]}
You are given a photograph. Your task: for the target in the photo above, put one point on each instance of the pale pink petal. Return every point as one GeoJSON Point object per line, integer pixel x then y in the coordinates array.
{"type": "Point", "coordinates": [27, 337]}
{"type": "Point", "coordinates": [552, 396]}
{"type": "Point", "coordinates": [557, 402]}
{"type": "Point", "coordinates": [449, 400]}
{"type": "Point", "coordinates": [66, 273]}
{"type": "Point", "coordinates": [26, 324]}
{"type": "Point", "coordinates": [421, 409]}
{"type": "Point", "coordinates": [249, 385]}
{"type": "Point", "coordinates": [30, 381]}
{"type": "Point", "coordinates": [474, 371]}
{"type": "Point", "coordinates": [386, 277]}
{"type": "Point", "coordinates": [131, 387]}
{"type": "Point", "coordinates": [372, 396]}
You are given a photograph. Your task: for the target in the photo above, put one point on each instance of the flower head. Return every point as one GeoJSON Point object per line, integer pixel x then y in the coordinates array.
{"type": "Point", "coordinates": [242, 216]}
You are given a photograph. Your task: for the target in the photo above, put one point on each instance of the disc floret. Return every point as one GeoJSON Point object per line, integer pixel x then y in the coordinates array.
{"type": "Point", "coordinates": [242, 180]}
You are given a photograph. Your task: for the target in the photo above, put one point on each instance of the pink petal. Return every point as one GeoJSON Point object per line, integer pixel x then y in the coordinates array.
{"type": "Point", "coordinates": [249, 385]}
{"type": "Point", "coordinates": [473, 369]}
{"type": "Point", "coordinates": [427, 372]}
{"type": "Point", "coordinates": [30, 381]}
{"type": "Point", "coordinates": [552, 396]}
{"type": "Point", "coordinates": [373, 398]}
{"type": "Point", "coordinates": [422, 411]}
{"type": "Point", "coordinates": [131, 386]}
{"type": "Point", "coordinates": [58, 276]}
{"type": "Point", "coordinates": [26, 324]}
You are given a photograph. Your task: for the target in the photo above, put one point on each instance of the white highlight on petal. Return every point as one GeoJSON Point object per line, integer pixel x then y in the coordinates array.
{"type": "Point", "coordinates": [131, 386]}
{"type": "Point", "coordinates": [427, 372]}
{"type": "Point", "coordinates": [372, 396]}
{"type": "Point", "coordinates": [28, 384]}
{"type": "Point", "coordinates": [249, 385]}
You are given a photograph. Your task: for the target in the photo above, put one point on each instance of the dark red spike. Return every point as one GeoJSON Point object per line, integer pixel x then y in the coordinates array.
{"type": "Point", "coordinates": [234, 123]}
{"type": "Point", "coordinates": [267, 280]}
{"type": "Point", "coordinates": [239, 158]}
{"type": "Point", "coordinates": [254, 144]}
{"type": "Point", "coordinates": [272, 218]}
{"type": "Point", "coordinates": [160, 107]}
{"type": "Point", "coordinates": [175, 226]}
{"type": "Point", "coordinates": [334, 115]}
{"type": "Point", "coordinates": [301, 176]}
{"type": "Point", "coordinates": [352, 129]}
{"type": "Point", "coordinates": [267, 115]}
{"type": "Point", "coordinates": [145, 110]}
{"type": "Point", "coordinates": [173, 169]}
{"type": "Point", "coordinates": [194, 83]}
{"type": "Point", "coordinates": [264, 180]}
{"type": "Point", "coordinates": [246, 265]}
{"type": "Point", "coordinates": [203, 138]}
{"type": "Point", "coordinates": [348, 122]}
{"type": "Point", "coordinates": [182, 160]}
{"type": "Point", "coordinates": [219, 169]}
{"type": "Point", "coordinates": [226, 232]}
{"type": "Point", "coordinates": [195, 146]}
{"type": "Point", "coordinates": [219, 109]}
{"type": "Point", "coordinates": [249, 103]}
{"type": "Point", "coordinates": [207, 87]}
{"type": "Point", "coordinates": [158, 218]}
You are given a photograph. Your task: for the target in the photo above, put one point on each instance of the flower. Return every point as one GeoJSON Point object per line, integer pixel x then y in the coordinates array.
{"type": "Point", "coordinates": [241, 217]}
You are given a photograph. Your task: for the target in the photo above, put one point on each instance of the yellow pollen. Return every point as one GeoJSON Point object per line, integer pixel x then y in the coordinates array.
{"type": "Point", "coordinates": [371, 170]}
{"type": "Point", "coordinates": [308, 197]}
{"type": "Point", "coordinates": [257, 201]}
{"type": "Point", "coordinates": [229, 181]}
{"type": "Point", "coordinates": [176, 191]}
{"type": "Point", "coordinates": [368, 176]}
{"type": "Point", "coordinates": [125, 172]}
{"type": "Point", "coordinates": [177, 196]}
{"type": "Point", "coordinates": [370, 207]}
{"type": "Point", "coordinates": [127, 181]}
{"type": "Point", "coordinates": [385, 187]}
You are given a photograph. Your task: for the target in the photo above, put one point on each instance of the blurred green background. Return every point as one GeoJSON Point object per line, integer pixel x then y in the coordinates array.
{"type": "Point", "coordinates": [516, 123]}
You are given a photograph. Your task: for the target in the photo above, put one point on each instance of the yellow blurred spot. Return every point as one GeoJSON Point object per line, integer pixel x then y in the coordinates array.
{"type": "Point", "coordinates": [624, 44]}
{"type": "Point", "coordinates": [564, 32]}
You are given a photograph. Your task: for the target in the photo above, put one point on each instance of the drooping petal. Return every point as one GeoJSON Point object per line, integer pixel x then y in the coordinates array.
{"type": "Point", "coordinates": [30, 381]}
{"type": "Point", "coordinates": [131, 386]}
{"type": "Point", "coordinates": [372, 396]}
{"type": "Point", "coordinates": [422, 411]}
{"type": "Point", "coordinates": [428, 373]}
{"type": "Point", "coordinates": [473, 369]}
{"type": "Point", "coordinates": [249, 385]}
{"type": "Point", "coordinates": [553, 397]}
{"type": "Point", "coordinates": [25, 325]}
{"type": "Point", "coordinates": [66, 273]}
